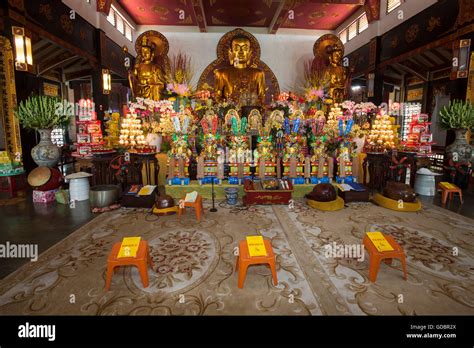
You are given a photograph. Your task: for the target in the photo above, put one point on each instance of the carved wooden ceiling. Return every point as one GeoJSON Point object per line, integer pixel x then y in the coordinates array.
{"type": "Point", "coordinates": [272, 14]}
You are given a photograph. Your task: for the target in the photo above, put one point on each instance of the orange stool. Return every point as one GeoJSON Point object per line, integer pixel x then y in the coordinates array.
{"type": "Point", "coordinates": [140, 261]}
{"type": "Point", "coordinates": [244, 260]}
{"type": "Point", "coordinates": [449, 190]}
{"type": "Point", "coordinates": [197, 205]}
{"type": "Point", "coordinates": [377, 256]}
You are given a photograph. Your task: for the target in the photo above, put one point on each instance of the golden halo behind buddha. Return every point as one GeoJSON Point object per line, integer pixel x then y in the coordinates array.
{"type": "Point", "coordinates": [324, 44]}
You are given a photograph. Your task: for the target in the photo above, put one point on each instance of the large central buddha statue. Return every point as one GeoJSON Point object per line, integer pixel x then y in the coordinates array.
{"type": "Point", "coordinates": [240, 82]}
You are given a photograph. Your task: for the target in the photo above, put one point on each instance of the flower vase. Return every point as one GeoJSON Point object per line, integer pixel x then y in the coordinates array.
{"type": "Point", "coordinates": [45, 154]}
{"type": "Point", "coordinates": [231, 194]}
{"type": "Point", "coordinates": [459, 150]}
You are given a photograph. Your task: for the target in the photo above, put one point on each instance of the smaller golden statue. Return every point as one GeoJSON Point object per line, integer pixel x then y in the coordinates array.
{"type": "Point", "coordinates": [147, 79]}
{"type": "Point", "coordinates": [240, 82]}
{"type": "Point", "coordinates": [334, 77]}
{"type": "Point", "coordinates": [255, 120]}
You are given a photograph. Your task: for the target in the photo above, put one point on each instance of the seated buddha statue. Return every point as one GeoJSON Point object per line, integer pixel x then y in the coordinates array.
{"type": "Point", "coordinates": [240, 82]}
{"type": "Point", "coordinates": [335, 75]}
{"type": "Point", "coordinates": [147, 79]}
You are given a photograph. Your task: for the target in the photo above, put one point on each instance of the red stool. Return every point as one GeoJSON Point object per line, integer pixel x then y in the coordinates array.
{"type": "Point", "coordinates": [15, 183]}
{"type": "Point", "coordinates": [141, 261]}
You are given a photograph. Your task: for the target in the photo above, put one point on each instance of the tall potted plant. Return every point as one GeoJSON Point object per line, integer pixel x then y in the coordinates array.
{"type": "Point", "coordinates": [458, 116]}
{"type": "Point", "coordinates": [42, 113]}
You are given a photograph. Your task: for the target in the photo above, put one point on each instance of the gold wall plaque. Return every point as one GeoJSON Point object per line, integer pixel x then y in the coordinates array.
{"type": "Point", "coordinates": [11, 127]}
{"type": "Point", "coordinates": [415, 94]}
{"type": "Point", "coordinates": [51, 89]}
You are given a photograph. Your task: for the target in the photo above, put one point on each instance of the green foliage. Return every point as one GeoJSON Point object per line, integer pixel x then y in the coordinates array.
{"type": "Point", "coordinates": [41, 112]}
{"type": "Point", "coordinates": [165, 146]}
{"type": "Point", "coordinates": [457, 115]}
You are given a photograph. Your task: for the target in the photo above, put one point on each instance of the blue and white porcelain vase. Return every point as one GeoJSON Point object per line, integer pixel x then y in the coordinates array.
{"type": "Point", "coordinates": [45, 154]}
{"type": "Point", "coordinates": [231, 194]}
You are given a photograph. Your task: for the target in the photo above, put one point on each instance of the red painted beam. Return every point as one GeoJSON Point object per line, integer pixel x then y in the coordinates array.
{"type": "Point", "coordinates": [372, 9]}
{"type": "Point", "coordinates": [198, 9]}
{"type": "Point", "coordinates": [281, 15]}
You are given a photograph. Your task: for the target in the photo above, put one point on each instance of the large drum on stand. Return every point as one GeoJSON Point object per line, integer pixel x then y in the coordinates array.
{"type": "Point", "coordinates": [45, 179]}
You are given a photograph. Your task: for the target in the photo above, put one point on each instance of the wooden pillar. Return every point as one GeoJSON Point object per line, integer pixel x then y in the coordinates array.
{"type": "Point", "coordinates": [101, 100]}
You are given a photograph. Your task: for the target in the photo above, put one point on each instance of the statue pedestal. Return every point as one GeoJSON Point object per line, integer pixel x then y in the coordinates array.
{"type": "Point", "coordinates": [238, 175]}
{"type": "Point", "coordinates": [209, 172]}
{"type": "Point", "coordinates": [270, 170]}
{"type": "Point", "coordinates": [319, 176]}
{"type": "Point", "coordinates": [178, 174]}
{"type": "Point", "coordinates": [297, 179]}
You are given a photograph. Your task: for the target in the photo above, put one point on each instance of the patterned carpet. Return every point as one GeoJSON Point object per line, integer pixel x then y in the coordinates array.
{"type": "Point", "coordinates": [194, 266]}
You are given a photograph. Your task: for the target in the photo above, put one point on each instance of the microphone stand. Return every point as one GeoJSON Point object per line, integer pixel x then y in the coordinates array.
{"type": "Point", "coordinates": [213, 209]}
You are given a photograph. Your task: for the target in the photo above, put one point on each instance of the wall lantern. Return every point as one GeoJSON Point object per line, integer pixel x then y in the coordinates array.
{"type": "Point", "coordinates": [23, 51]}
{"type": "Point", "coordinates": [106, 81]}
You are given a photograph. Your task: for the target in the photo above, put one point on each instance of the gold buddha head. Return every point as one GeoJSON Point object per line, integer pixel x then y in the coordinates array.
{"type": "Point", "coordinates": [240, 52]}
{"type": "Point", "coordinates": [335, 55]}
{"type": "Point", "coordinates": [146, 50]}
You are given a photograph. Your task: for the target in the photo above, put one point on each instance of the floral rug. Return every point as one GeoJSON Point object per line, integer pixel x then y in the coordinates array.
{"type": "Point", "coordinates": [194, 265]}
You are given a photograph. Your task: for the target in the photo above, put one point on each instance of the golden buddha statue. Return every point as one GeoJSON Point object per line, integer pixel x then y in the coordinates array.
{"type": "Point", "coordinates": [240, 82]}
{"type": "Point", "coordinates": [335, 75]}
{"type": "Point", "coordinates": [255, 120]}
{"type": "Point", "coordinates": [147, 79]}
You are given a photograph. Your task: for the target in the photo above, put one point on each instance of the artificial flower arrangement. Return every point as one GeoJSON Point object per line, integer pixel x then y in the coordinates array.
{"type": "Point", "coordinates": [362, 114]}
{"type": "Point", "coordinates": [222, 108]}
{"type": "Point", "coordinates": [155, 115]}
{"type": "Point", "coordinates": [287, 102]}
{"type": "Point", "coordinates": [179, 76]}
{"type": "Point", "coordinates": [340, 130]}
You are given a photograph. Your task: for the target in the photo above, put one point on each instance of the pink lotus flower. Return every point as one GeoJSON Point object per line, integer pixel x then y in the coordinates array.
{"type": "Point", "coordinates": [180, 89]}
{"type": "Point", "coordinates": [314, 94]}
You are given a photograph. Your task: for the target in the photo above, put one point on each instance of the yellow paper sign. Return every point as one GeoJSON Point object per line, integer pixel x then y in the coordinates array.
{"type": "Point", "coordinates": [129, 247]}
{"type": "Point", "coordinates": [448, 185]}
{"type": "Point", "coordinates": [256, 246]}
{"type": "Point", "coordinates": [379, 240]}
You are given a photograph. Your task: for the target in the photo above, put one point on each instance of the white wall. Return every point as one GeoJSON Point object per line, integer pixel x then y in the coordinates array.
{"type": "Point", "coordinates": [387, 22]}
{"type": "Point", "coordinates": [285, 52]}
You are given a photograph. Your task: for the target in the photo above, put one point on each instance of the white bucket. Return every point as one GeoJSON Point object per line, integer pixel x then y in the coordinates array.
{"type": "Point", "coordinates": [425, 182]}
{"type": "Point", "coordinates": [79, 189]}
{"type": "Point", "coordinates": [78, 186]}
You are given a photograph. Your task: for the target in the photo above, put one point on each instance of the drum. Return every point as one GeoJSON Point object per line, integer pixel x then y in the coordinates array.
{"type": "Point", "coordinates": [45, 178]}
